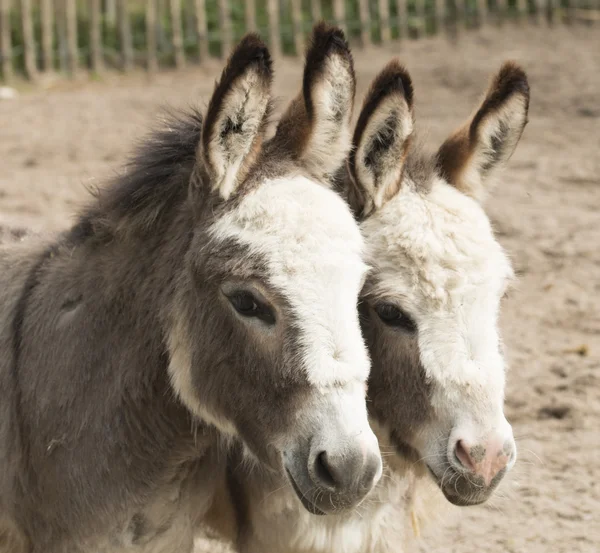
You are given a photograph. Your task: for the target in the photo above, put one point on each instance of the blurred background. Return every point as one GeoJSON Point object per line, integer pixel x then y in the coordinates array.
{"type": "Point", "coordinates": [82, 81]}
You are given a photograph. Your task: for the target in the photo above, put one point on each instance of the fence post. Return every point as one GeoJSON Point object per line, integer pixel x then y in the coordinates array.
{"type": "Point", "coordinates": [298, 26]}
{"type": "Point", "coordinates": [316, 11]}
{"type": "Point", "coordinates": [440, 14]}
{"type": "Point", "coordinates": [462, 19]}
{"type": "Point", "coordinates": [72, 46]}
{"type": "Point", "coordinates": [482, 14]}
{"type": "Point", "coordinates": [175, 6]}
{"type": "Point", "coordinates": [111, 12]}
{"type": "Point", "coordinates": [420, 13]}
{"type": "Point", "coordinates": [339, 14]}
{"type": "Point", "coordinates": [202, 30]}
{"type": "Point", "coordinates": [28, 40]}
{"type": "Point", "coordinates": [96, 50]}
{"type": "Point", "coordinates": [274, 34]}
{"type": "Point", "coordinates": [151, 47]}
{"type": "Point", "coordinates": [61, 33]}
{"type": "Point", "coordinates": [47, 35]}
{"type": "Point", "coordinates": [5, 40]}
{"type": "Point", "coordinates": [402, 16]}
{"type": "Point", "coordinates": [225, 23]}
{"type": "Point", "coordinates": [365, 22]}
{"type": "Point", "coordinates": [250, 13]}
{"type": "Point", "coordinates": [384, 21]}
{"type": "Point", "coordinates": [125, 35]}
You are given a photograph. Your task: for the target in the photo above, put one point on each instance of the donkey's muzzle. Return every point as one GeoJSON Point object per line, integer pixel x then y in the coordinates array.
{"type": "Point", "coordinates": [335, 477]}
{"type": "Point", "coordinates": [346, 473]}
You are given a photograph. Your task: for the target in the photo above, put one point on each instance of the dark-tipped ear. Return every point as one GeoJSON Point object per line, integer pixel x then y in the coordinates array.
{"type": "Point", "coordinates": [237, 116]}
{"type": "Point", "coordinates": [488, 140]}
{"type": "Point", "coordinates": [315, 128]}
{"type": "Point", "coordinates": [381, 139]}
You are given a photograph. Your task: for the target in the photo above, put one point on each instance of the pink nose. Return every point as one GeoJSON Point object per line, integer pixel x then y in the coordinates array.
{"type": "Point", "coordinates": [484, 460]}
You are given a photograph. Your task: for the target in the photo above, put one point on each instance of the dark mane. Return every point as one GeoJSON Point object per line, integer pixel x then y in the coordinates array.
{"type": "Point", "coordinates": [154, 181]}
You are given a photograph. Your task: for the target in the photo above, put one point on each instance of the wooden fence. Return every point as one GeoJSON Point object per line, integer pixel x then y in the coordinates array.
{"type": "Point", "coordinates": [71, 35]}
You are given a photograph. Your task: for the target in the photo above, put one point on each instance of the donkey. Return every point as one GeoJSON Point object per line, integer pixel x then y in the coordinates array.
{"type": "Point", "coordinates": [429, 316]}
{"type": "Point", "coordinates": [209, 295]}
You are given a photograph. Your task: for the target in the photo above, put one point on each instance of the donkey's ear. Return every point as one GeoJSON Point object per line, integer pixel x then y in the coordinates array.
{"type": "Point", "coordinates": [315, 128]}
{"type": "Point", "coordinates": [488, 140]}
{"type": "Point", "coordinates": [237, 116]}
{"type": "Point", "coordinates": [381, 139]}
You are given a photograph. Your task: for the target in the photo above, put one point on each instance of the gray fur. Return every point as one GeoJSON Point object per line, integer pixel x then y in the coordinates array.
{"type": "Point", "coordinates": [98, 452]}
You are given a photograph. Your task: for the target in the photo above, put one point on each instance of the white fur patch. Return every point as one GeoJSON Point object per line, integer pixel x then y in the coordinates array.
{"type": "Point", "coordinates": [313, 248]}
{"type": "Point", "coordinates": [436, 255]}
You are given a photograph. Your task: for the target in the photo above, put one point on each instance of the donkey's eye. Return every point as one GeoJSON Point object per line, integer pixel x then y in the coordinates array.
{"type": "Point", "coordinates": [248, 306]}
{"type": "Point", "coordinates": [392, 316]}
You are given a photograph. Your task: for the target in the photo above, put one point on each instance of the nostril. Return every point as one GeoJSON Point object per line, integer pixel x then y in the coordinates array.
{"type": "Point", "coordinates": [323, 471]}
{"type": "Point", "coordinates": [462, 455]}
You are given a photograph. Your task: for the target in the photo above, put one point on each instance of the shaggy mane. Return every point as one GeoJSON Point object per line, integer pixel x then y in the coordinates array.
{"type": "Point", "coordinates": [154, 181]}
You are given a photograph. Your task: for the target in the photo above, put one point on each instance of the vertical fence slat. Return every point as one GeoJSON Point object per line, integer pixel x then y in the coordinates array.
{"type": "Point", "coordinates": [461, 14]}
{"type": "Point", "coordinates": [541, 11]}
{"type": "Point", "coordinates": [61, 33]}
{"type": "Point", "coordinates": [72, 46]}
{"type": "Point", "coordinates": [250, 13]}
{"type": "Point", "coordinates": [47, 18]}
{"type": "Point", "coordinates": [226, 31]}
{"type": "Point", "coordinates": [420, 13]}
{"type": "Point", "coordinates": [28, 40]}
{"type": "Point", "coordinates": [384, 21]}
{"type": "Point", "coordinates": [298, 26]}
{"type": "Point", "coordinates": [482, 14]}
{"type": "Point", "coordinates": [440, 15]}
{"type": "Point", "coordinates": [6, 40]}
{"type": "Point", "coordinates": [151, 44]}
{"type": "Point", "coordinates": [402, 18]}
{"type": "Point", "coordinates": [339, 14]}
{"type": "Point", "coordinates": [202, 29]}
{"type": "Point", "coordinates": [523, 10]}
{"type": "Point", "coordinates": [96, 50]}
{"type": "Point", "coordinates": [111, 11]}
{"type": "Point", "coordinates": [315, 10]}
{"type": "Point", "coordinates": [274, 36]}
{"type": "Point", "coordinates": [177, 30]}
{"type": "Point", "coordinates": [365, 22]}
{"type": "Point", "coordinates": [125, 36]}
{"type": "Point", "coordinates": [501, 7]}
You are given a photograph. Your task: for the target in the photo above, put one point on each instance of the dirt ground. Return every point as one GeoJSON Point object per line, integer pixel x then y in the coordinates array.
{"type": "Point", "coordinates": [546, 208]}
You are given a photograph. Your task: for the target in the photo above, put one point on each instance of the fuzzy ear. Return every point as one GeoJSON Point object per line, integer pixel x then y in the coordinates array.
{"type": "Point", "coordinates": [315, 129]}
{"type": "Point", "coordinates": [488, 140]}
{"type": "Point", "coordinates": [381, 139]}
{"type": "Point", "coordinates": [237, 116]}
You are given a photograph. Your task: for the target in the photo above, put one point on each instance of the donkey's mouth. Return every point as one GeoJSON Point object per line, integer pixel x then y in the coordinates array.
{"type": "Point", "coordinates": [306, 503]}
{"type": "Point", "coordinates": [463, 492]}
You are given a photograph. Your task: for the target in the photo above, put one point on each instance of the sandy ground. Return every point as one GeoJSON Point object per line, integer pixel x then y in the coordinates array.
{"type": "Point", "coordinates": [55, 143]}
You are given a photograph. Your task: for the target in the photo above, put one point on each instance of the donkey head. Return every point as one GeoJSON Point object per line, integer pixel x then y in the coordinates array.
{"type": "Point", "coordinates": [431, 304]}
{"type": "Point", "coordinates": [266, 342]}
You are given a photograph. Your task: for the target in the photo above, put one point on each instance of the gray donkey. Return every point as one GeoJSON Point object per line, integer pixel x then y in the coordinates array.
{"type": "Point", "coordinates": [429, 314]}
{"type": "Point", "coordinates": [209, 295]}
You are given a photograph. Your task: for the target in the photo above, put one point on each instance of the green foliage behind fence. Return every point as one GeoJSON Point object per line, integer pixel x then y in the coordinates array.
{"type": "Point", "coordinates": [420, 18]}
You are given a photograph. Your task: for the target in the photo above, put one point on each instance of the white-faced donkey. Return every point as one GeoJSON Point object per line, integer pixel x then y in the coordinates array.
{"type": "Point", "coordinates": [429, 313]}
{"type": "Point", "coordinates": [209, 294]}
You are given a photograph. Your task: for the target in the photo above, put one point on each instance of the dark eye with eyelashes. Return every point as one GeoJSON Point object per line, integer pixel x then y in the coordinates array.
{"type": "Point", "coordinates": [392, 316]}
{"type": "Point", "coordinates": [247, 305]}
